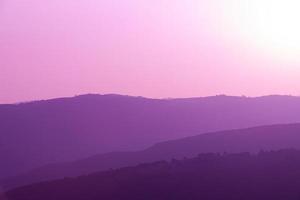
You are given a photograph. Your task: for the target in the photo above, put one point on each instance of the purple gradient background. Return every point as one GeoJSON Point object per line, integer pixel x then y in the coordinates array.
{"type": "Point", "coordinates": [165, 48]}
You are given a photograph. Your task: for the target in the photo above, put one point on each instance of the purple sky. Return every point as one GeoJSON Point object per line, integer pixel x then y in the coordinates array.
{"type": "Point", "coordinates": [154, 48]}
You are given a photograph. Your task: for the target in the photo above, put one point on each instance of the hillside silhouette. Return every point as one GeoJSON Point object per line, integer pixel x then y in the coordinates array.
{"type": "Point", "coordinates": [267, 175]}
{"type": "Point", "coordinates": [60, 130]}
{"type": "Point", "coordinates": [252, 140]}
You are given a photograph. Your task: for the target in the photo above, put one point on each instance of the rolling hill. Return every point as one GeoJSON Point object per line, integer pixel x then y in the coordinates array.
{"type": "Point", "coordinates": [267, 175]}
{"type": "Point", "coordinates": [252, 140]}
{"type": "Point", "coordinates": [38, 133]}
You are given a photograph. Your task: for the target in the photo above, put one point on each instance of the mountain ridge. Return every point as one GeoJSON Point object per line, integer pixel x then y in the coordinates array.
{"type": "Point", "coordinates": [263, 175]}
{"type": "Point", "coordinates": [253, 140]}
{"type": "Point", "coordinates": [148, 98]}
{"type": "Point", "coordinates": [68, 129]}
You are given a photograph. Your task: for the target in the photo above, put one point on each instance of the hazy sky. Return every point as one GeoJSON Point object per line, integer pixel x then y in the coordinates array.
{"type": "Point", "coordinates": [153, 48]}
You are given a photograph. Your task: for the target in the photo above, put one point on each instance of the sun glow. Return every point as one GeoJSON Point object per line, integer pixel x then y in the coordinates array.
{"type": "Point", "coordinates": [270, 25]}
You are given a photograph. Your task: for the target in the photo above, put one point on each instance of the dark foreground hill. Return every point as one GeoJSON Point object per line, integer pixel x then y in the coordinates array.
{"type": "Point", "coordinates": [268, 175]}
{"type": "Point", "coordinates": [252, 140]}
{"type": "Point", "coordinates": [38, 133]}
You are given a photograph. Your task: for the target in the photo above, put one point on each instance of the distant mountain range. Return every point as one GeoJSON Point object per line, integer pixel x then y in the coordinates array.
{"type": "Point", "coordinates": [38, 133]}
{"type": "Point", "coordinates": [266, 176]}
{"type": "Point", "coordinates": [253, 140]}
